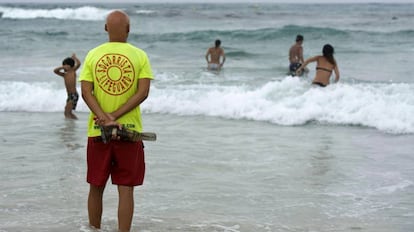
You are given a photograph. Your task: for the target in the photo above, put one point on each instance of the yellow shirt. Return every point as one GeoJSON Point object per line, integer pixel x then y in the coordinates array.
{"type": "Point", "coordinates": [114, 69]}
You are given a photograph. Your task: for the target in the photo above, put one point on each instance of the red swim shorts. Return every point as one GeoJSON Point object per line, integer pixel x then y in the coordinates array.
{"type": "Point", "coordinates": [123, 161]}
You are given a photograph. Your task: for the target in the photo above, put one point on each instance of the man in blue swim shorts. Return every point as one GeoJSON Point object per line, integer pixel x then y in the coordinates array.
{"type": "Point", "coordinates": [296, 55]}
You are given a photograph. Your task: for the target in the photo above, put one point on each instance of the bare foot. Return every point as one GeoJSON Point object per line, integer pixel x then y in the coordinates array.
{"type": "Point", "coordinates": [71, 116]}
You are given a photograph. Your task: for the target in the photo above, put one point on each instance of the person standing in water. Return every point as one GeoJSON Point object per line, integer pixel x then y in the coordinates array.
{"type": "Point", "coordinates": [296, 56]}
{"type": "Point", "coordinates": [115, 80]}
{"type": "Point", "coordinates": [213, 56]}
{"type": "Point", "coordinates": [325, 64]}
{"type": "Point", "coordinates": [68, 71]}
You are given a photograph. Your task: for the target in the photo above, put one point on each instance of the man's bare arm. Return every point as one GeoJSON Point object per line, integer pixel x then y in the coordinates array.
{"type": "Point", "coordinates": [300, 52]}
{"type": "Point", "coordinates": [224, 57]}
{"type": "Point", "coordinates": [207, 54]}
{"type": "Point", "coordinates": [136, 99]}
{"type": "Point", "coordinates": [60, 71]}
{"type": "Point", "coordinates": [90, 100]}
{"type": "Point", "coordinates": [77, 62]}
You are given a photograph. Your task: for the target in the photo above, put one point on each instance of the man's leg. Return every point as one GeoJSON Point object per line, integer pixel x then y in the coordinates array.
{"type": "Point", "coordinates": [95, 205]}
{"type": "Point", "coordinates": [68, 110]}
{"type": "Point", "coordinates": [125, 207]}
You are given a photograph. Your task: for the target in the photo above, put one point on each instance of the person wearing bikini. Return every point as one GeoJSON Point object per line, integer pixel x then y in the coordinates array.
{"type": "Point", "coordinates": [325, 64]}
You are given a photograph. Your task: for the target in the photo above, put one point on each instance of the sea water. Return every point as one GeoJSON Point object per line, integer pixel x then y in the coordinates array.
{"type": "Point", "coordinates": [245, 149]}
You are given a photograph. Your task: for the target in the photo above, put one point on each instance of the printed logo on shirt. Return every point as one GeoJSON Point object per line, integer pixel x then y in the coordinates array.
{"type": "Point", "coordinates": [114, 73]}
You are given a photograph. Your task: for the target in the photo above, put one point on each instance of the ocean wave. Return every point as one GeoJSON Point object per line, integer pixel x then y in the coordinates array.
{"type": "Point", "coordinates": [290, 102]}
{"type": "Point", "coordinates": [270, 34]}
{"type": "Point", "coordinates": [262, 34]}
{"type": "Point", "coordinates": [387, 107]}
{"type": "Point", "coordinates": [146, 12]}
{"type": "Point", "coordinates": [239, 53]}
{"type": "Point", "coordinates": [88, 13]}
{"type": "Point", "coordinates": [309, 30]}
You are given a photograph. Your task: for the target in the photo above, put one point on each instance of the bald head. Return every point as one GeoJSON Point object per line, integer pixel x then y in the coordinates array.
{"type": "Point", "coordinates": [117, 26]}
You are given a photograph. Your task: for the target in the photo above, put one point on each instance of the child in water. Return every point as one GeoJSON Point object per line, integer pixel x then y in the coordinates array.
{"type": "Point", "coordinates": [68, 71]}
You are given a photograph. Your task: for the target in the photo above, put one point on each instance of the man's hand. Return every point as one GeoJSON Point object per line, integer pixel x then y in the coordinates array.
{"type": "Point", "coordinates": [107, 120]}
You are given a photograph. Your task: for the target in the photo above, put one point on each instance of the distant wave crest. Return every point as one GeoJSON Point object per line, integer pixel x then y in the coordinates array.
{"type": "Point", "coordinates": [264, 34]}
{"type": "Point", "coordinates": [255, 35]}
{"type": "Point", "coordinates": [89, 13]}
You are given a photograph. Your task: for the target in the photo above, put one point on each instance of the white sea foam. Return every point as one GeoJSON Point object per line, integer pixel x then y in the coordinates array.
{"type": "Point", "coordinates": [395, 187]}
{"type": "Point", "coordinates": [33, 97]}
{"type": "Point", "coordinates": [80, 13]}
{"type": "Point", "coordinates": [292, 102]}
{"type": "Point", "coordinates": [387, 107]}
{"type": "Point", "coordinates": [146, 12]}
